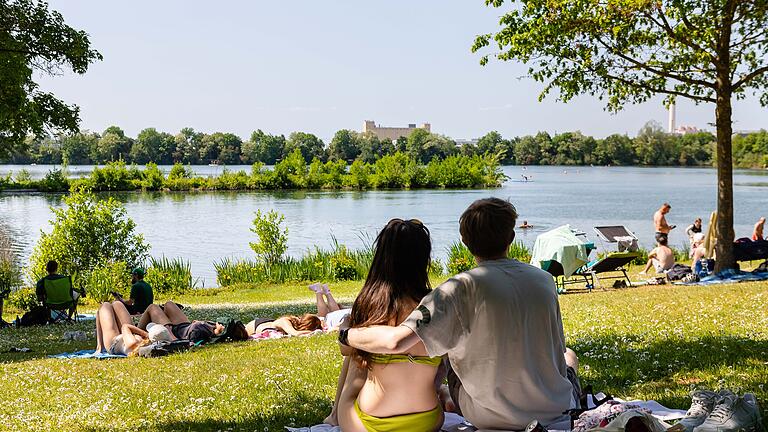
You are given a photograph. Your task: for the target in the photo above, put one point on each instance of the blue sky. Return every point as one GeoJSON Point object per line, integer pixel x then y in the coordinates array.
{"type": "Point", "coordinates": [320, 66]}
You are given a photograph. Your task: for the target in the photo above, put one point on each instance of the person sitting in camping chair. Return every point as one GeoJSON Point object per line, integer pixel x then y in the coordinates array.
{"type": "Point", "coordinates": [3, 294]}
{"type": "Point", "coordinates": [57, 294]}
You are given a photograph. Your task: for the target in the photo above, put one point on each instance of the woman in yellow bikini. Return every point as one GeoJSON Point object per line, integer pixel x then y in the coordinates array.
{"type": "Point", "coordinates": [397, 391]}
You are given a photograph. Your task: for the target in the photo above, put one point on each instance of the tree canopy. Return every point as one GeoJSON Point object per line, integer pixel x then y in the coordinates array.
{"type": "Point", "coordinates": [627, 51]}
{"type": "Point", "coordinates": [34, 39]}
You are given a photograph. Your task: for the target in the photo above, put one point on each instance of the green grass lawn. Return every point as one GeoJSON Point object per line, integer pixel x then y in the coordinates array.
{"type": "Point", "coordinates": [647, 343]}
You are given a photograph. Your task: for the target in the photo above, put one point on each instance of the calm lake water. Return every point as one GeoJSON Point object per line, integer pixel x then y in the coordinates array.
{"type": "Point", "coordinates": [206, 227]}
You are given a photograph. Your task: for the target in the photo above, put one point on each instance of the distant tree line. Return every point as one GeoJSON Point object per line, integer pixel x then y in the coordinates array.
{"type": "Point", "coordinates": [651, 146]}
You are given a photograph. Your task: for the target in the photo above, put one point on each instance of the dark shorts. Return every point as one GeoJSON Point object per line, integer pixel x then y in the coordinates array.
{"type": "Point", "coordinates": [573, 377]}
{"type": "Point", "coordinates": [260, 321]}
{"type": "Point", "coordinates": [135, 309]}
{"type": "Point", "coordinates": [181, 331]}
{"type": "Point", "coordinates": [454, 385]}
{"type": "Point", "coordinates": [660, 235]}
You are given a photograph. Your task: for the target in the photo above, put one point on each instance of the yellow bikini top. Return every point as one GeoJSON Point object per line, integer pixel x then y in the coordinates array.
{"type": "Point", "coordinates": [405, 358]}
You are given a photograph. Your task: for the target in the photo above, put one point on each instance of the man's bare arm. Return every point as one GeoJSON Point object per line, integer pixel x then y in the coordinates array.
{"type": "Point", "coordinates": [382, 339]}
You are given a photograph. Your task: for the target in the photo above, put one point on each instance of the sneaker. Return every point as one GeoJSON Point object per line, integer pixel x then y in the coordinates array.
{"type": "Point", "coordinates": [733, 414]}
{"type": "Point", "coordinates": [535, 426]}
{"type": "Point", "coordinates": [702, 404]}
{"type": "Point", "coordinates": [316, 287]}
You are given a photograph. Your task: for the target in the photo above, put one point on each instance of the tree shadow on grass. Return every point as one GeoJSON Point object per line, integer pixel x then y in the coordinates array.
{"type": "Point", "coordinates": [301, 409]}
{"type": "Point", "coordinates": [667, 369]}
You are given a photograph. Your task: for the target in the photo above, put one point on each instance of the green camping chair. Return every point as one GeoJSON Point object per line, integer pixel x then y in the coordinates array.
{"type": "Point", "coordinates": [3, 295]}
{"type": "Point", "coordinates": [59, 300]}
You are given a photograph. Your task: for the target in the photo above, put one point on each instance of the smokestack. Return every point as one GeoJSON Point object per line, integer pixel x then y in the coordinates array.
{"type": "Point", "coordinates": [672, 118]}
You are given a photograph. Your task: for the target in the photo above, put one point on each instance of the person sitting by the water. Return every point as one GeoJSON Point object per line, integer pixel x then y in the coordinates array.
{"type": "Point", "coordinates": [660, 224]}
{"type": "Point", "coordinates": [115, 332]}
{"type": "Point", "coordinates": [693, 229]}
{"type": "Point", "coordinates": [391, 391]}
{"type": "Point", "coordinates": [757, 233]}
{"type": "Point", "coordinates": [52, 268]}
{"type": "Point", "coordinates": [698, 251]}
{"type": "Point", "coordinates": [525, 225]}
{"type": "Point", "coordinates": [141, 293]}
{"type": "Point", "coordinates": [290, 325]}
{"type": "Point", "coordinates": [660, 258]}
{"type": "Point", "coordinates": [180, 325]}
{"type": "Point", "coordinates": [328, 310]}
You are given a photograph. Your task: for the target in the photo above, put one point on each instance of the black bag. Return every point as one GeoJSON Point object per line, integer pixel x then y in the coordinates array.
{"type": "Point", "coordinates": [37, 316]}
{"type": "Point", "coordinates": [762, 268]}
{"type": "Point", "coordinates": [678, 271]}
{"type": "Point", "coordinates": [163, 348]}
{"type": "Point", "coordinates": [234, 330]}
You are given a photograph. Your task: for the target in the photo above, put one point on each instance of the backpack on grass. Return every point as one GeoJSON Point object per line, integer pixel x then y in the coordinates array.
{"type": "Point", "coordinates": [163, 348]}
{"type": "Point", "coordinates": [38, 315]}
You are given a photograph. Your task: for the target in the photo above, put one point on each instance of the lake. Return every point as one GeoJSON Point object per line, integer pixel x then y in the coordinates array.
{"type": "Point", "coordinates": [208, 226]}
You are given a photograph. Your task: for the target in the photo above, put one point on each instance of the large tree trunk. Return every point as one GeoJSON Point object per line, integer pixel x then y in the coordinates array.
{"type": "Point", "coordinates": [724, 248]}
{"type": "Point", "coordinates": [725, 234]}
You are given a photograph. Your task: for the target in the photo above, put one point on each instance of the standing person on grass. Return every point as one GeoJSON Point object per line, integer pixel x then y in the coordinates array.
{"type": "Point", "coordinates": [499, 325]}
{"type": "Point", "coordinates": [660, 224]}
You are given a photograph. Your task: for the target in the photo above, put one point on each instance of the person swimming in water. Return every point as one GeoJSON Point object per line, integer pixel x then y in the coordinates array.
{"type": "Point", "coordinates": [525, 225]}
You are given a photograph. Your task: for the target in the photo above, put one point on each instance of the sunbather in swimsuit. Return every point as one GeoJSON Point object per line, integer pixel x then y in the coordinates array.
{"type": "Point", "coordinates": [288, 324]}
{"type": "Point", "coordinates": [419, 421]}
{"type": "Point", "coordinates": [115, 331]}
{"type": "Point", "coordinates": [396, 391]}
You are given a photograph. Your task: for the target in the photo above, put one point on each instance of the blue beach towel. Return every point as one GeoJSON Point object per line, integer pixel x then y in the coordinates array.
{"type": "Point", "coordinates": [731, 276]}
{"type": "Point", "coordinates": [86, 354]}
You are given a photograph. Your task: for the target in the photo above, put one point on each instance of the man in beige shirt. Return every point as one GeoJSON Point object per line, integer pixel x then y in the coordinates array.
{"type": "Point", "coordinates": [500, 327]}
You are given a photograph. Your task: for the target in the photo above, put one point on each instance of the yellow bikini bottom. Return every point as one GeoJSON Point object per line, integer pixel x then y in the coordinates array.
{"type": "Point", "coordinates": [425, 421]}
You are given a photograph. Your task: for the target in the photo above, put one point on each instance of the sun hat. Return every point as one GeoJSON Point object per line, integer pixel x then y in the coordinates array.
{"type": "Point", "coordinates": [158, 332]}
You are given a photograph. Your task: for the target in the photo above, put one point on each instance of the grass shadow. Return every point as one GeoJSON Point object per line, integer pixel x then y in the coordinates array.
{"type": "Point", "coordinates": [667, 369]}
{"type": "Point", "coordinates": [301, 409]}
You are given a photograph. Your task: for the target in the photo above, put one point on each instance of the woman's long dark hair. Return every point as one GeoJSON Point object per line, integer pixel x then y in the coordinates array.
{"type": "Point", "coordinates": [398, 277]}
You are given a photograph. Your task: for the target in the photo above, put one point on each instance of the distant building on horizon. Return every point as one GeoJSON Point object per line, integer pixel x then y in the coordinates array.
{"type": "Point", "coordinates": [672, 127]}
{"type": "Point", "coordinates": [392, 133]}
{"type": "Point", "coordinates": [685, 130]}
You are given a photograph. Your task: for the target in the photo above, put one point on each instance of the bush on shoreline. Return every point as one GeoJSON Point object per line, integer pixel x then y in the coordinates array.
{"type": "Point", "coordinates": [395, 171]}
{"type": "Point", "coordinates": [170, 276]}
{"type": "Point", "coordinates": [86, 234]}
{"type": "Point", "coordinates": [460, 259]}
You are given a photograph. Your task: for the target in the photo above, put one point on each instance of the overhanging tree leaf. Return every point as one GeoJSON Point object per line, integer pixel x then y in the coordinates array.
{"type": "Point", "coordinates": [34, 39]}
{"type": "Point", "coordinates": [627, 51]}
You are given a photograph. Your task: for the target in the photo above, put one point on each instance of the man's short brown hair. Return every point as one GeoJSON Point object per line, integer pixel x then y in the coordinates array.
{"type": "Point", "coordinates": [487, 227]}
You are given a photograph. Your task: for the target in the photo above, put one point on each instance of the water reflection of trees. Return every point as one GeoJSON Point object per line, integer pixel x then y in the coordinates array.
{"type": "Point", "coordinates": [8, 252]}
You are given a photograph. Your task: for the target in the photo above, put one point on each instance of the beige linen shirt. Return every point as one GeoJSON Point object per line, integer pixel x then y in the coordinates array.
{"type": "Point", "coordinates": [500, 326]}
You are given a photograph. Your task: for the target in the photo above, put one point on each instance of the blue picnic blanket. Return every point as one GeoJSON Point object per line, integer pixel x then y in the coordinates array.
{"type": "Point", "coordinates": [86, 354]}
{"type": "Point", "coordinates": [731, 276]}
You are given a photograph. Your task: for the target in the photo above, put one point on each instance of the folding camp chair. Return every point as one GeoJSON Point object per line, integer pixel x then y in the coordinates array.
{"type": "Point", "coordinates": [561, 251]}
{"type": "Point", "coordinates": [61, 304]}
{"type": "Point", "coordinates": [613, 262]}
{"type": "Point", "coordinates": [3, 295]}
{"type": "Point", "coordinates": [625, 239]}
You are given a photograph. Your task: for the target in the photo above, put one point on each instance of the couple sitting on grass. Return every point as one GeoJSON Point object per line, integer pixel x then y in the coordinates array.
{"type": "Point", "coordinates": [495, 330]}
